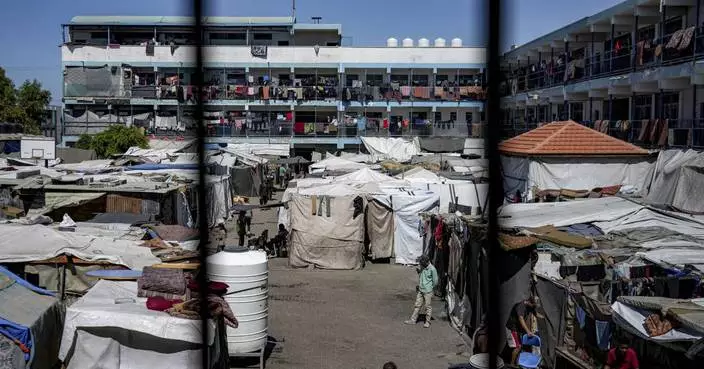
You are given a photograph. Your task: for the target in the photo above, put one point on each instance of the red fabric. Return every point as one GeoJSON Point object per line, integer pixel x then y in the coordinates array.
{"type": "Point", "coordinates": [630, 361]}
{"type": "Point", "coordinates": [386, 124]}
{"type": "Point", "coordinates": [618, 46]}
{"type": "Point", "coordinates": [289, 116]}
{"type": "Point", "coordinates": [438, 234]}
{"type": "Point", "coordinates": [159, 303]}
{"type": "Point", "coordinates": [299, 127]}
{"type": "Point", "coordinates": [216, 288]}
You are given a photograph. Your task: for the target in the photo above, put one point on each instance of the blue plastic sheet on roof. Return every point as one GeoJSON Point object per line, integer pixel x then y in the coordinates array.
{"type": "Point", "coordinates": [16, 331]}
{"type": "Point", "coordinates": [163, 166]}
{"type": "Point", "coordinates": [212, 146]}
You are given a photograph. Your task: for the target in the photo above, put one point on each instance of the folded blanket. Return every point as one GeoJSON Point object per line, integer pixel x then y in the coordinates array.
{"type": "Point", "coordinates": [171, 281]}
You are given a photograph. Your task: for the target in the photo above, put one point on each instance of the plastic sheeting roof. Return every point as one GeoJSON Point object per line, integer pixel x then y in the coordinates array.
{"type": "Point", "coordinates": [337, 164]}
{"type": "Point", "coordinates": [260, 149]}
{"type": "Point", "coordinates": [398, 149]}
{"type": "Point", "coordinates": [58, 200]}
{"type": "Point", "coordinates": [530, 215]}
{"type": "Point", "coordinates": [364, 175]}
{"type": "Point", "coordinates": [41, 242]}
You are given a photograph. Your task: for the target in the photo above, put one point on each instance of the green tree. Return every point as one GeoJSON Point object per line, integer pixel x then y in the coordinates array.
{"type": "Point", "coordinates": [26, 104]}
{"type": "Point", "coordinates": [34, 100]}
{"type": "Point", "coordinates": [114, 140]}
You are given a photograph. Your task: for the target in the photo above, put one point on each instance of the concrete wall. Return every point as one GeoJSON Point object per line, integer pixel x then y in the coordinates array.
{"type": "Point", "coordinates": [279, 55]}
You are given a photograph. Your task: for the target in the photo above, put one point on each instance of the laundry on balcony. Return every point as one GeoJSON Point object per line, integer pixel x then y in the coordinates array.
{"type": "Point", "coordinates": [675, 40]}
{"type": "Point", "coordinates": [686, 38]}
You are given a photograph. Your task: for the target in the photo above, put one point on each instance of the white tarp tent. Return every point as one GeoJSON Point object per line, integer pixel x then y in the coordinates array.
{"type": "Point", "coordinates": [666, 174]}
{"type": "Point", "coordinates": [106, 334]}
{"type": "Point", "coordinates": [336, 164]}
{"type": "Point", "coordinates": [398, 149]}
{"type": "Point", "coordinates": [636, 318]}
{"type": "Point", "coordinates": [574, 173]}
{"type": "Point", "coordinates": [41, 242]}
{"type": "Point", "coordinates": [406, 205]}
{"type": "Point", "coordinates": [419, 175]}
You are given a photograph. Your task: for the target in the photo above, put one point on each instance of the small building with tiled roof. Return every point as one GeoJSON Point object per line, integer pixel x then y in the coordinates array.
{"type": "Point", "coordinates": [568, 155]}
{"type": "Point", "coordinates": [568, 138]}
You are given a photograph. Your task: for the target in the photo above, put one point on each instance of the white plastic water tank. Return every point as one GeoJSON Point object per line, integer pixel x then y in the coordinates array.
{"type": "Point", "coordinates": [423, 42]}
{"type": "Point", "coordinates": [456, 42]}
{"type": "Point", "coordinates": [440, 42]}
{"type": "Point", "coordinates": [247, 274]}
{"type": "Point", "coordinates": [391, 42]}
{"type": "Point", "coordinates": [407, 42]}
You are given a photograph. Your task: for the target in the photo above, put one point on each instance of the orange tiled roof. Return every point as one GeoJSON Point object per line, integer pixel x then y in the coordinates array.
{"type": "Point", "coordinates": [567, 138]}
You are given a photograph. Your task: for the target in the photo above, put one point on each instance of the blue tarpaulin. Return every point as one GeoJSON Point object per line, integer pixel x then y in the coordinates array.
{"type": "Point", "coordinates": [163, 166]}
{"type": "Point", "coordinates": [16, 331]}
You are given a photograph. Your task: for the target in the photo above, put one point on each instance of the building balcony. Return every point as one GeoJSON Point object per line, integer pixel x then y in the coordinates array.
{"type": "Point", "coordinates": [669, 50]}
{"type": "Point", "coordinates": [243, 94]}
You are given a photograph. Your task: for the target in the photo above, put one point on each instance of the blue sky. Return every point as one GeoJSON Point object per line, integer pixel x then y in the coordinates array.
{"type": "Point", "coordinates": [30, 31]}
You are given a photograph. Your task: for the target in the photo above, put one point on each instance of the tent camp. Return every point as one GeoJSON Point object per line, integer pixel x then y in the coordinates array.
{"type": "Point", "coordinates": [397, 149]}
{"type": "Point", "coordinates": [568, 155]}
{"type": "Point", "coordinates": [336, 165]}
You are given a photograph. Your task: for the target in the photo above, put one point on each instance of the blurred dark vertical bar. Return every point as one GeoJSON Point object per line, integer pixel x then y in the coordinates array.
{"type": "Point", "coordinates": [200, 144]}
{"type": "Point", "coordinates": [493, 115]}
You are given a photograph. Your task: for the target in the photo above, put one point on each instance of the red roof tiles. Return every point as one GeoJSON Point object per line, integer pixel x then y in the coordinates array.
{"type": "Point", "coordinates": [567, 138]}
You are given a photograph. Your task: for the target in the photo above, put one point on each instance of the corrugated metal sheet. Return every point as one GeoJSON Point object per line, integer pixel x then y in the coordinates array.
{"type": "Point", "coordinates": [123, 204]}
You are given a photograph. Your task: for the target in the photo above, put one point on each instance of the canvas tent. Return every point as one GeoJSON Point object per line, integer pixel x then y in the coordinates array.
{"type": "Point", "coordinates": [568, 155]}
{"type": "Point", "coordinates": [327, 232]}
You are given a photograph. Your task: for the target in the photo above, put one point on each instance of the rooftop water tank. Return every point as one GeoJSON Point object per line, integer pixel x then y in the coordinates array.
{"type": "Point", "coordinates": [391, 42]}
{"type": "Point", "coordinates": [440, 42]}
{"type": "Point", "coordinates": [407, 42]}
{"type": "Point", "coordinates": [423, 42]}
{"type": "Point", "coordinates": [247, 274]}
{"type": "Point", "coordinates": [456, 42]}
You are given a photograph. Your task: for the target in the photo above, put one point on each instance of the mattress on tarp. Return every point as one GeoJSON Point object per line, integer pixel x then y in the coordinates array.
{"type": "Point", "coordinates": [689, 313]}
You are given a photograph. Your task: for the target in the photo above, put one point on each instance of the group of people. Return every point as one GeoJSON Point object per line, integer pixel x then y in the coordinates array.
{"type": "Point", "coordinates": [620, 357]}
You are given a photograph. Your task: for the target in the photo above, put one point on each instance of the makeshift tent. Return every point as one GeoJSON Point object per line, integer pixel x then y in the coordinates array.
{"type": "Point", "coordinates": [406, 206]}
{"type": "Point", "coordinates": [32, 316]}
{"type": "Point", "coordinates": [357, 158]}
{"type": "Point", "coordinates": [335, 164]}
{"type": "Point", "coordinates": [260, 149]}
{"type": "Point", "coordinates": [398, 149]}
{"type": "Point", "coordinates": [380, 230]}
{"type": "Point", "coordinates": [419, 174]}
{"type": "Point", "coordinates": [366, 175]}
{"type": "Point", "coordinates": [101, 333]}
{"type": "Point", "coordinates": [293, 160]}
{"type": "Point", "coordinates": [568, 155]}
{"type": "Point", "coordinates": [327, 232]}
{"type": "Point", "coordinates": [89, 166]}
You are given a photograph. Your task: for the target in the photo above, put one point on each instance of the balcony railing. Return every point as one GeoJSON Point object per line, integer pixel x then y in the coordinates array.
{"type": "Point", "coordinates": [678, 47]}
{"type": "Point", "coordinates": [347, 94]}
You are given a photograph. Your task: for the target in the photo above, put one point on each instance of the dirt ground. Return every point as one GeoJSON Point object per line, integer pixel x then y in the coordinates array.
{"type": "Point", "coordinates": [349, 319]}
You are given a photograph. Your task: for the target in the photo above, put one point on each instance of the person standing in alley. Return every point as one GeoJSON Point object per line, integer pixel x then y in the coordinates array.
{"type": "Point", "coordinates": [241, 227]}
{"type": "Point", "coordinates": [427, 280]}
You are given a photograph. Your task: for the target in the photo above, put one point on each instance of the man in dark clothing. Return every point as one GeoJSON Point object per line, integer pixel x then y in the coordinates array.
{"type": "Point", "coordinates": [241, 227]}
{"type": "Point", "coordinates": [517, 326]}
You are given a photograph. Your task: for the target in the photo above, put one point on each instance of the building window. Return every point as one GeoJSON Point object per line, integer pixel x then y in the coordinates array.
{"type": "Point", "coordinates": [453, 116]}
{"type": "Point", "coordinates": [468, 117]}
{"type": "Point", "coordinates": [577, 111]}
{"type": "Point", "coordinates": [375, 79]}
{"type": "Point", "coordinates": [542, 113]}
{"type": "Point", "coordinates": [262, 36]}
{"type": "Point", "coordinates": [349, 78]}
{"type": "Point", "coordinates": [332, 44]}
{"type": "Point", "coordinates": [401, 79]}
{"type": "Point", "coordinates": [643, 105]}
{"type": "Point", "coordinates": [671, 105]}
{"type": "Point", "coordinates": [438, 116]}
{"type": "Point", "coordinates": [228, 36]}
{"type": "Point", "coordinates": [283, 43]}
